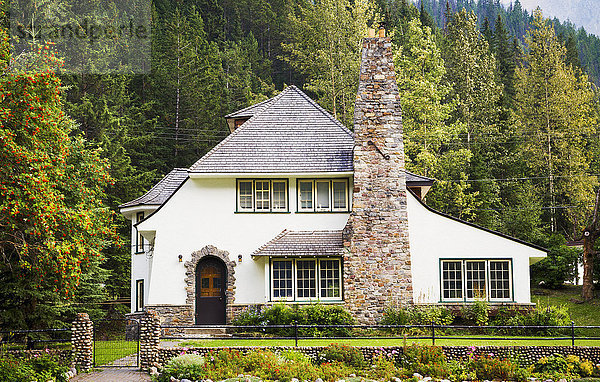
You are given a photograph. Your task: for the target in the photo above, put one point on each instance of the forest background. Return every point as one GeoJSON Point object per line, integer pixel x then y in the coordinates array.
{"type": "Point", "coordinates": [500, 106]}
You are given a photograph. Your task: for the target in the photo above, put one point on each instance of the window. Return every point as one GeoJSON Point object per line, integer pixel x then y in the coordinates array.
{"type": "Point", "coordinates": [306, 279]}
{"type": "Point", "coordinates": [139, 239]}
{"type": "Point", "coordinates": [262, 195]}
{"type": "Point", "coordinates": [452, 279]}
{"type": "Point", "coordinates": [139, 295]}
{"type": "Point", "coordinates": [467, 280]}
{"type": "Point", "coordinates": [322, 195]}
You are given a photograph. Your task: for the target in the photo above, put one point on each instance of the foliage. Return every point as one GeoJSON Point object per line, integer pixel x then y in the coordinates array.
{"type": "Point", "coordinates": [488, 367]}
{"type": "Point", "coordinates": [41, 368]}
{"type": "Point", "coordinates": [425, 360]}
{"type": "Point", "coordinates": [345, 354]}
{"type": "Point", "coordinates": [563, 366]}
{"type": "Point", "coordinates": [383, 369]}
{"type": "Point", "coordinates": [541, 315]}
{"type": "Point", "coordinates": [559, 266]}
{"type": "Point", "coordinates": [54, 222]}
{"type": "Point", "coordinates": [477, 312]}
{"type": "Point", "coordinates": [281, 314]}
{"type": "Point", "coordinates": [416, 315]}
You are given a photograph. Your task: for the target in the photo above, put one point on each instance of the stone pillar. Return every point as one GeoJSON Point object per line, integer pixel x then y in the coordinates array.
{"type": "Point", "coordinates": [82, 337]}
{"type": "Point", "coordinates": [377, 268]}
{"type": "Point", "coordinates": [149, 339]}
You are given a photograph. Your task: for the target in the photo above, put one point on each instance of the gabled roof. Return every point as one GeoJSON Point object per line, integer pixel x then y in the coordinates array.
{"type": "Point", "coordinates": [303, 243]}
{"type": "Point", "coordinates": [418, 180]}
{"type": "Point", "coordinates": [250, 110]}
{"type": "Point", "coordinates": [291, 134]}
{"type": "Point", "coordinates": [162, 190]}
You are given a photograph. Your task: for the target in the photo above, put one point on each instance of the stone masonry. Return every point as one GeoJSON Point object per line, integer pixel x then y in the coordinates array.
{"type": "Point", "coordinates": [377, 268]}
{"type": "Point", "coordinates": [149, 339]}
{"type": "Point", "coordinates": [82, 336]}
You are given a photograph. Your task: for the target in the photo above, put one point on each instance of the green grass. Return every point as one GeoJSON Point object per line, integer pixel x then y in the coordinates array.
{"type": "Point", "coordinates": [106, 352]}
{"type": "Point", "coordinates": [386, 342]}
{"type": "Point", "coordinates": [582, 313]}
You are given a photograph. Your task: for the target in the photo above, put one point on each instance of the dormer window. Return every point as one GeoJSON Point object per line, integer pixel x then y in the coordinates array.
{"type": "Point", "coordinates": [262, 195]}
{"type": "Point", "coordinates": [323, 195]}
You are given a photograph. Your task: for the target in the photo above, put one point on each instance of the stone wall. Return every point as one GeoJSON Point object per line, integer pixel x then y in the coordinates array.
{"type": "Point", "coordinates": [525, 354]}
{"type": "Point", "coordinates": [149, 339]}
{"type": "Point", "coordinates": [377, 268]}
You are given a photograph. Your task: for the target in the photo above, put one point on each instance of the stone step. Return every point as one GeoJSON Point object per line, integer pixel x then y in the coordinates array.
{"type": "Point", "coordinates": [205, 332]}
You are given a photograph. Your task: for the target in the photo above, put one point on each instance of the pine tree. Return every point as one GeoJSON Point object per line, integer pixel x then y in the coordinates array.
{"type": "Point", "coordinates": [507, 64]}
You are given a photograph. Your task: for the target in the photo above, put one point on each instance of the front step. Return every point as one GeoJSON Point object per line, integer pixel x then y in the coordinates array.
{"type": "Point", "coordinates": [205, 332]}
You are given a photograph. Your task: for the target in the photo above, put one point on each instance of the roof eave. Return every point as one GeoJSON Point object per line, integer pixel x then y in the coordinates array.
{"type": "Point", "coordinates": [197, 175]}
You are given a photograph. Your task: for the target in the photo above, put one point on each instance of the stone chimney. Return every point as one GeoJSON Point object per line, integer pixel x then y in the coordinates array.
{"type": "Point", "coordinates": [377, 268]}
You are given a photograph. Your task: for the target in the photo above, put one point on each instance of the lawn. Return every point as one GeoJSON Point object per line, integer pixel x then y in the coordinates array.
{"type": "Point", "coordinates": [581, 313]}
{"type": "Point", "coordinates": [106, 352]}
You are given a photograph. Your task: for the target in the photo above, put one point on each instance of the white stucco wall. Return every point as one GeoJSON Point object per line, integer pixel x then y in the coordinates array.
{"type": "Point", "coordinates": [201, 213]}
{"type": "Point", "coordinates": [434, 237]}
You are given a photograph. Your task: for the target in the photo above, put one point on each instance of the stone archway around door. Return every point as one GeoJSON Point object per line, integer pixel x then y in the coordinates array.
{"type": "Point", "coordinates": [190, 279]}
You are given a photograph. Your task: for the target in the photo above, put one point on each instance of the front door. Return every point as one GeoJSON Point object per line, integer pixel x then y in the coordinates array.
{"type": "Point", "coordinates": [210, 292]}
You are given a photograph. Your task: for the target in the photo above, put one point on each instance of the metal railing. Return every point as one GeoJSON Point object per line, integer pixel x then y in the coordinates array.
{"type": "Point", "coordinates": [431, 331]}
{"type": "Point", "coordinates": [32, 339]}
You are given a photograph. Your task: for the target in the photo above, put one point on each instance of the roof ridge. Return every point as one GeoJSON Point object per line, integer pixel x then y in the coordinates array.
{"type": "Point", "coordinates": [279, 236]}
{"type": "Point", "coordinates": [322, 110]}
{"type": "Point", "coordinates": [243, 127]}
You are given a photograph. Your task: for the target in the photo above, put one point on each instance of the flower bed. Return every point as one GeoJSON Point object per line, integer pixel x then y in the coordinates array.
{"type": "Point", "coordinates": [340, 362]}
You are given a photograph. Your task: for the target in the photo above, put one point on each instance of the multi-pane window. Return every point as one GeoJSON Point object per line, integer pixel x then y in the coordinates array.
{"type": "Point", "coordinates": [263, 191]}
{"type": "Point", "coordinates": [318, 195]}
{"type": "Point", "coordinates": [139, 239]}
{"type": "Point", "coordinates": [306, 279]}
{"type": "Point", "coordinates": [452, 280]}
{"type": "Point", "coordinates": [262, 195]}
{"type": "Point", "coordinates": [499, 279]}
{"type": "Point", "coordinates": [330, 278]}
{"type": "Point", "coordinates": [475, 275]}
{"type": "Point", "coordinates": [139, 295]}
{"type": "Point", "coordinates": [282, 279]}
{"type": "Point", "coordinates": [476, 279]}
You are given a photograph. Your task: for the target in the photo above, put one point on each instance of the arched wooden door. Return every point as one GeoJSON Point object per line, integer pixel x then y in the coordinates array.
{"type": "Point", "coordinates": [210, 291]}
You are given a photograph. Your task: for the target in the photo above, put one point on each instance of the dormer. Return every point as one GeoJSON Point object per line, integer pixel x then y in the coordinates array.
{"type": "Point", "coordinates": [418, 184]}
{"type": "Point", "coordinates": [238, 118]}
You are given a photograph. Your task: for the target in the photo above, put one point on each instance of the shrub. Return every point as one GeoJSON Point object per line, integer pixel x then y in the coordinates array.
{"type": "Point", "coordinates": [345, 354]}
{"type": "Point", "coordinates": [184, 366]}
{"type": "Point", "coordinates": [42, 368]}
{"type": "Point", "coordinates": [542, 315]}
{"type": "Point", "coordinates": [416, 315]}
{"type": "Point", "coordinates": [281, 314]}
{"type": "Point", "coordinates": [425, 360]}
{"type": "Point", "coordinates": [383, 368]}
{"type": "Point", "coordinates": [487, 367]}
{"type": "Point", "coordinates": [478, 312]}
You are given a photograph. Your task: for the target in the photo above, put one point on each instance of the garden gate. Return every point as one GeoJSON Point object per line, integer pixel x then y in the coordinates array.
{"type": "Point", "coordinates": [116, 343]}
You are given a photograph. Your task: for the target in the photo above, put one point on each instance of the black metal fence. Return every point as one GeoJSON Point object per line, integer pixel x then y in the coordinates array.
{"type": "Point", "coordinates": [34, 339]}
{"type": "Point", "coordinates": [431, 331]}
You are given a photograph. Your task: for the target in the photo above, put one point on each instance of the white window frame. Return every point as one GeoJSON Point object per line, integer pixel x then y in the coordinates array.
{"type": "Point", "coordinates": [461, 281]}
{"type": "Point", "coordinates": [485, 281]}
{"type": "Point", "coordinates": [345, 182]}
{"type": "Point", "coordinates": [239, 196]}
{"type": "Point", "coordinates": [285, 196]}
{"type": "Point", "coordinates": [488, 297]}
{"type": "Point", "coordinates": [139, 295]}
{"type": "Point", "coordinates": [294, 296]}
{"type": "Point", "coordinates": [263, 191]}
{"type": "Point", "coordinates": [254, 199]}
{"type": "Point", "coordinates": [139, 239]}
{"type": "Point", "coordinates": [314, 194]}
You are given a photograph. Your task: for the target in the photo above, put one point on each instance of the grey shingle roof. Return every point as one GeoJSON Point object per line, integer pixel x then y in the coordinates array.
{"type": "Point", "coordinates": [418, 180]}
{"type": "Point", "coordinates": [291, 134]}
{"type": "Point", "coordinates": [250, 110]}
{"type": "Point", "coordinates": [303, 243]}
{"type": "Point", "coordinates": [162, 190]}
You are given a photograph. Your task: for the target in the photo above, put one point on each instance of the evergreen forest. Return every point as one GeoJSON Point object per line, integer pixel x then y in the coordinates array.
{"type": "Point", "coordinates": [500, 106]}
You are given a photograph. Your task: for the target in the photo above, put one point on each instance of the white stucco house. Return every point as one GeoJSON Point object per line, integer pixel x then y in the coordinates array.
{"type": "Point", "coordinates": [293, 207]}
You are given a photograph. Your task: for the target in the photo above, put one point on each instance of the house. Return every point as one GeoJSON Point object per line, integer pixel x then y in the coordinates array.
{"type": "Point", "coordinates": [293, 207]}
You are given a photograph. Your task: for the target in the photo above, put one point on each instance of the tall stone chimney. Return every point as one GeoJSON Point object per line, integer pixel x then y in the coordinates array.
{"type": "Point", "coordinates": [377, 264]}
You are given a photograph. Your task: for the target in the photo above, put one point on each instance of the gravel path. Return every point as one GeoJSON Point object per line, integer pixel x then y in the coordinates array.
{"type": "Point", "coordinates": [112, 375]}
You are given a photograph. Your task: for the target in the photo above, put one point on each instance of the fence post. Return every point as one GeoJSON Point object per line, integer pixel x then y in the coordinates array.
{"type": "Point", "coordinates": [149, 339]}
{"type": "Point", "coordinates": [572, 333]}
{"type": "Point", "coordinates": [296, 332]}
{"type": "Point", "coordinates": [82, 332]}
{"type": "Point", "coordinates": [432, 333]}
